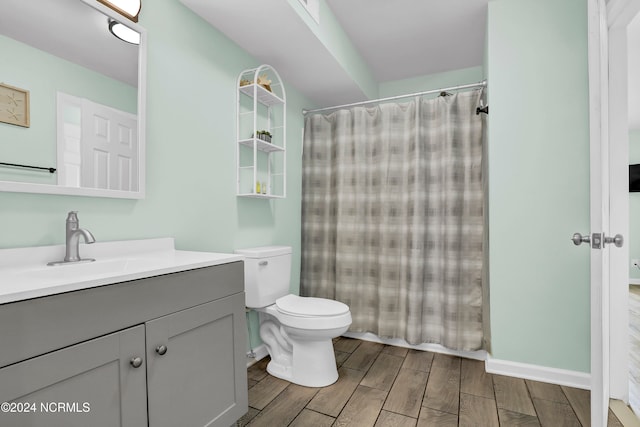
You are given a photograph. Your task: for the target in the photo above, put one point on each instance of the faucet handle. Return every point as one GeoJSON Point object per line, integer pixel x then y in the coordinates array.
{"type": "Point", "coordinates": [72, 221]}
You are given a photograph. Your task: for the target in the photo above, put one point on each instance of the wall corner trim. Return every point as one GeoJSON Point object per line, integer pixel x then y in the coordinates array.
{"type": "Point", "coordinates": [538, 373]}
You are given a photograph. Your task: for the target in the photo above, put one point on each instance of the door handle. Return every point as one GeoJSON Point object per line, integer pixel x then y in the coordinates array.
{"type": "Point", "coordinates": [579, 239]}
{"type": "Point", "coordinates": [617, 240]}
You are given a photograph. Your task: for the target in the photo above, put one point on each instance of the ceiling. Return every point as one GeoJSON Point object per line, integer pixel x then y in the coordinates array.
{"type": "Point", "coordinates": [406, 38]}
{"type": "Point", "coordinates": [75, 32]}
{"type": "Point", "coordinates": [396, 39]}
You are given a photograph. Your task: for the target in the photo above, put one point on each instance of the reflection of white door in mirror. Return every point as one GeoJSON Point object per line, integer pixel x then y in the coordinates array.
{"type": "Point", "coordinates": [42, 41]}
{"type": "Point", "coordinates": [97, 145]}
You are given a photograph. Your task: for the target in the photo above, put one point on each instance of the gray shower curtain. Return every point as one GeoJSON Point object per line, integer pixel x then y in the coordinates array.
{"type": "Point", "coordinates": [392, 218]}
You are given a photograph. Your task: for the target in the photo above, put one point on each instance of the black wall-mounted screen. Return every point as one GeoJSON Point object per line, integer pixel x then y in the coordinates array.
{"type": "Point", "coordinates": [634, 178]}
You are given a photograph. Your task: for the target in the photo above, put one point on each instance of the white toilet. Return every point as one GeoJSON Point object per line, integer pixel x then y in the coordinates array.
{"type": "Point", "coordinates": [297, 331]}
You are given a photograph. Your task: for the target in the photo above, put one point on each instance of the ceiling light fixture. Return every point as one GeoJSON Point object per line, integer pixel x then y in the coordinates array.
{"type": "Point", "coordinates": [127, 8]}
{"type": "Point", "coordinates": [123, 32]}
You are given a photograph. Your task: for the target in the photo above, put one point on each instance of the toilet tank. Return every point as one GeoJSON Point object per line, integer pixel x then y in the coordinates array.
{"type": "Point", "coordinates": [267, 274]}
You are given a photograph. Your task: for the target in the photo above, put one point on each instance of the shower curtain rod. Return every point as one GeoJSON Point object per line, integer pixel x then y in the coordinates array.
{"type": "Point", "coordinates": [482, 83]}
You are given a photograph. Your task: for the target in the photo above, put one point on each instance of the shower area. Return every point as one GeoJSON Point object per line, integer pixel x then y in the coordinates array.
{"type": "Point", "coordinates": [394, 216]}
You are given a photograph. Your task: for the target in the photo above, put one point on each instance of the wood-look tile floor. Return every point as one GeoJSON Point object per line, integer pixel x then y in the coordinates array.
{"type": "Point", "coordinates": [382, 385]}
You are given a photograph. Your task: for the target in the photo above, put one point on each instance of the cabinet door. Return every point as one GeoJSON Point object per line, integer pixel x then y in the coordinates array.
{"type": "Point", "coordinates": [89, 384]}
{"type": "Point", "coordinates": [201, 379]}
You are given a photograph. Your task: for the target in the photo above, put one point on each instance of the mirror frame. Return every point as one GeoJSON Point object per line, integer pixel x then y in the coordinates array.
{"type": "Point", "coordinates": [26, 187]}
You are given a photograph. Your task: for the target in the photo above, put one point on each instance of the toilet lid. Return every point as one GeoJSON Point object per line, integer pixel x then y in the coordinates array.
{"type": "Point", "coordinates": [308, 306]}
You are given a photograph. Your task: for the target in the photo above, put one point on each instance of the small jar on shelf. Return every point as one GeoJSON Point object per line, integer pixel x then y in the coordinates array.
{"type": "Point", "coordinates": [263, 135]}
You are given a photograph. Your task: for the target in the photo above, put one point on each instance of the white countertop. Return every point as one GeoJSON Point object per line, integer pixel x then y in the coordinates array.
{"type": "Point", "coordinates": [24, 273]}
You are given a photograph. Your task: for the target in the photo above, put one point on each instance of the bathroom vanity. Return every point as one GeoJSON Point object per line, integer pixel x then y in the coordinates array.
{"type": "Point", "coordinates": [152, 336]}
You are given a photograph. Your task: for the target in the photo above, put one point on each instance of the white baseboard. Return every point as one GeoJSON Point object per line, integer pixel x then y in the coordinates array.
{"type": "Point", "coordinates": [538, 373]}
{"type": "Point", "coordinates": [545, 374]}
{"type": "Point", "coordinates": [435, 348]}
{"type": "Point", "coordinates": [260, 353]}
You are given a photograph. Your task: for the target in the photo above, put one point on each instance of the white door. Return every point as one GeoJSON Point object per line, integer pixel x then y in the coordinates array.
{"type": "Point", "coordinates": [109, 148]}
{"type": "Point", "coordinates": [609, 200]}
{"type": "Point", "coordinates": [599, 211]}
{"type": "Point", "coordinates": [620, 15]}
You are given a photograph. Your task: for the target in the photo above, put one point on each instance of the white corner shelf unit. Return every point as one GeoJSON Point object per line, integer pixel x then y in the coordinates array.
{"type": "Point", "coordinates": [261, 160]}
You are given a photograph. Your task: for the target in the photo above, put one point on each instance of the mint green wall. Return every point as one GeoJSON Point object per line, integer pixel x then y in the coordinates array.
{"type": "Point", "coordinates": [431, 81]}
{"type": "Point", "coordinates": [331, 34]}
{"type": "Point", "coordinates": [634, 207]}
{"type": "Point", "coordinates": [190, 157]}
{"type": "Point", "coordinates": [539, 181]}
{"type": "Point", "coordinates": [36, 145]}
{"type": "Point", "coordinates": [538, 154]}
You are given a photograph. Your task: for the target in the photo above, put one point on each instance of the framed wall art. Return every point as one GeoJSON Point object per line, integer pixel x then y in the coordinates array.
{"type": "Point", "coordinates": [14, 105]}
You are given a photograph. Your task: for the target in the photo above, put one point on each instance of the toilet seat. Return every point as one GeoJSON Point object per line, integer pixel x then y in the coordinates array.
{"type": "Point", "coordinates": [294, 305]}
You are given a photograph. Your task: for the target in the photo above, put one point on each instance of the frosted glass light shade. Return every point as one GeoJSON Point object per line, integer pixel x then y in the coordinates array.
{"type": "Point", "coordinates": [123, 32]}
{"type": "Point", "coordinates": [127, 8]}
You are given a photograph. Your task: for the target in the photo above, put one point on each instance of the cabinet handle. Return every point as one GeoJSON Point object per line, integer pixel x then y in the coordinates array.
{"type": "Point", "coordinates": [161, 349]}
{"type": "Point", "coordinates": [136, 362]}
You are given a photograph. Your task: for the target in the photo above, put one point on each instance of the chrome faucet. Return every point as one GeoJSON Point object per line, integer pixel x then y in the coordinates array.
{"type": "Point", "coordinates": [73, 234]}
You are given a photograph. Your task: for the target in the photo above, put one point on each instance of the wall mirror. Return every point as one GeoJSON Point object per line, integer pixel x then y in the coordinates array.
{"type": "Point", "coordinates": [87, 92]}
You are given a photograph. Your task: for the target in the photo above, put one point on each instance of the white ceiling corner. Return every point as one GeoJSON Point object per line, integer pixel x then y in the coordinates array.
{"type": "Point", "coordinates": [283, 41]}
{"type": "Point", "coordinates": [397, 39]}
{"type": "Point", "coordinates": [400, 39]}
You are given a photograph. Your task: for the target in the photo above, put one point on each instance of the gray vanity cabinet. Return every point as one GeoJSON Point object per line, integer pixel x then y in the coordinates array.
{"type": "Point", "coordinates": [196, 388]}
{"type": "Point", "coordinates": [161, 351]}
{"type": "Point", "coordinates": [94, 380]}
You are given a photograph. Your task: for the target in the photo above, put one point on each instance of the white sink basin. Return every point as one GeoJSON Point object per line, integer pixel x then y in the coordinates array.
{"type": "Point", "coordinates": [24, 272]}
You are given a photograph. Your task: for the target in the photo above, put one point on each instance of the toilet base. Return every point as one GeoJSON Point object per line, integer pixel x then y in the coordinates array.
{"type": "Point", "coordinates": [313, 365]}
{"type": "Point", "coordinates": [300, 356]}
